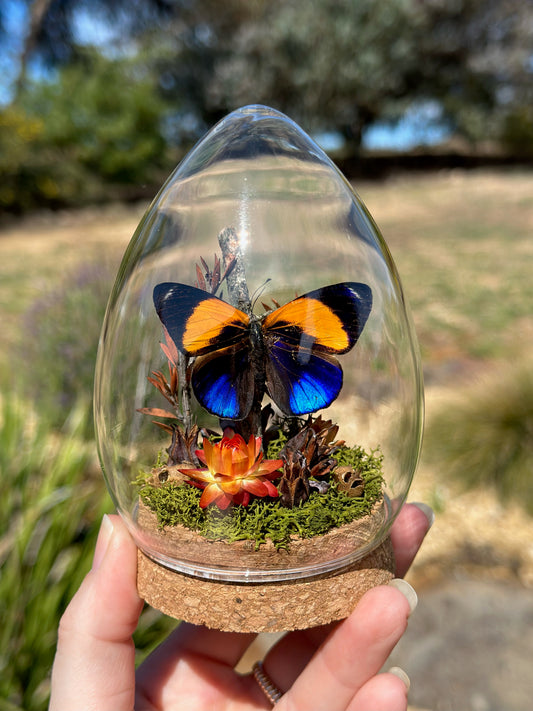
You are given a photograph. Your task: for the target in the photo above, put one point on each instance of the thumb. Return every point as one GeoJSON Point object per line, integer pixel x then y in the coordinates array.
{"type": "Point", "coordinates": [94, 667]}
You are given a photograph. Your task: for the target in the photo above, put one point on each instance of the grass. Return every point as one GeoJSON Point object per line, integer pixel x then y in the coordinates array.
{"type": "Point", "coordinates": [48, 514]}
{"type": "Point", "coordinates": [56, 364]}
{"type": "Point", "coordinates": [52, 502]}
{"type": "Point", "coordinates": [483, 437]}
{"type": "Point", "coordinates": [463, 247]}
{"type": "Point", "coordinates": [462, 243]}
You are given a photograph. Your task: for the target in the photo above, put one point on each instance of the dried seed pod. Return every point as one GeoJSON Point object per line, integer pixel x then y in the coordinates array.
{"type": "Point", "coordinates": [170, 473]}
{"type": "Point", "coordinates": [349, 481]}
{"type": "Point", "coordinates": [321, 486]}
{"type": "Point", "coordinates": [315, 442]}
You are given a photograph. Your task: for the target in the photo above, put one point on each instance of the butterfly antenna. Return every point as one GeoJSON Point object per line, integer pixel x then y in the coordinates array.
{"type": "Point", "coordinates": [257, 293]}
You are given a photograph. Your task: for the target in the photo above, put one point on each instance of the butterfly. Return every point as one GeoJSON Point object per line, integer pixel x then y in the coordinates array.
{"type": "Point", "coordinates": [290, 352]}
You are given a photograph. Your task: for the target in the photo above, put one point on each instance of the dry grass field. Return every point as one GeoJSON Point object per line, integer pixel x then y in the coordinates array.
{"type": "Point", "coordinates": [463, 245]}
{"type": "Point", "coordinates": [464, 249]}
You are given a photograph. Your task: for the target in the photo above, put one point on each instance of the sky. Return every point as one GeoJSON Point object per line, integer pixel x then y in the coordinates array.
{"type": "Point", "coordinates": [419, 126]}
{"type": "Point", "coordinates": [14, 19]}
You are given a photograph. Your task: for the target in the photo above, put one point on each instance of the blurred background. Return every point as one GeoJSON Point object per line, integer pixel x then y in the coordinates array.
{"type": "Point", "coordinates": [427, 107]}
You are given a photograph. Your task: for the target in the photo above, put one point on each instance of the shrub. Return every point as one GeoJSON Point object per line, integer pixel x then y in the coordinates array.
{"type": "Point", "coordinates": [485, 438]}
{"type": "Point", "coordinates": [58, 354]}
{"type": "Point", "coordinates": [52, 502]}
{"type": "Point", "coordinates": [517, 131]}
{"type": "Point", "coordinates": [93, 132]}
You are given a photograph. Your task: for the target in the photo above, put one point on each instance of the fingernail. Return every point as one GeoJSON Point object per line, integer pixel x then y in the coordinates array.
{"type": "Point", "coordinates": [407, 591]}
{"type": "Point", "coordinates": [426, 510]}
{"type": "Point", "coordinates": [399, 672]}
{"type": "Point", "coordinates": [102, 544]}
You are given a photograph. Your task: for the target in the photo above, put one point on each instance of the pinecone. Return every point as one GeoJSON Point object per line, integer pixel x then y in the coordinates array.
{"type": "Point", "coordinates": [307, 455]}
{"type": "Point", "coordinates": [315, 442]}
{"type": "Point", "coordinates": [294, 484]}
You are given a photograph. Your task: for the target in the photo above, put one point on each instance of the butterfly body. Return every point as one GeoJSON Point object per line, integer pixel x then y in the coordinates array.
{"type": "Point", "coordinates": [290, 352]}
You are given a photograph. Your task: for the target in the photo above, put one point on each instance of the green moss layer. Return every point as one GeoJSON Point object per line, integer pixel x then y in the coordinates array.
{"type": "Point", "coordinates": [178, 504]}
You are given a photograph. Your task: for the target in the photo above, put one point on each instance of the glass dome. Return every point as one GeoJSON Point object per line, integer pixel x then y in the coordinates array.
{"type": "Point", "coordinates": [258, 392]}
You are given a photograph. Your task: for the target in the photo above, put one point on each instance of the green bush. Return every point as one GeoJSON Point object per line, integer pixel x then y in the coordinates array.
{"type": "Point", "coordinates": [517, 131]}
{"type": "Point", "coordinates": [91, 134]}
{"type": "Point", "coordinates": [52, 502]}
{"type": "Point", "coordinates": [32, 173]}
{"type": "Point", "coordinates": [58, 354]}
{"type": "Point", "coordinates": [485, 438]}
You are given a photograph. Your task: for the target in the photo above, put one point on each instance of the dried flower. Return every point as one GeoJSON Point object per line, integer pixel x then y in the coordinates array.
{"type": "Point", "coordinates": [235, 469]}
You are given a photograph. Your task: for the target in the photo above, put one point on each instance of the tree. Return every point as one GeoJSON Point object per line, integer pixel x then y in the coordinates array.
{"type": "Point", "coordinates": [85, 136]}
{"type": "Point", "coordinates": [340, 65]}
{"type": "Point", "coordinates": [476, 60]}
{"type": "Point", "coordinates": [331, 64]}
{"type": "Point", "coordinates": [51, 32]}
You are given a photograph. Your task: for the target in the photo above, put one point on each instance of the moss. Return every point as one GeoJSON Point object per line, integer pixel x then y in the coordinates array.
{"type": "Point", "coordinates": [178, 504]}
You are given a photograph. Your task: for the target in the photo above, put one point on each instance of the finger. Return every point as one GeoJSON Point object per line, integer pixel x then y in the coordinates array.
{"type": "Point", "coordinates": [384, 692]}
{"type": "Point", "coordinates": [287, 659]}
{"type": "Point", "coordinates": [225, 648]}
{"type": "Point", "coordinates": [353, 653]}
{"type": "Point", "coordinates": [407, 533]}
{"type": "Point", "coordinates": [94, 667]}
{"type": "Point", "coordinates": [192, 659]}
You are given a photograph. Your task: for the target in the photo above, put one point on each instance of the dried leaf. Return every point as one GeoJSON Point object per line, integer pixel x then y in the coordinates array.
{"type": "Point", "coordinates": [164, 426]}
{"type": "Point", "coordinates": [174, 381]}
{"type": "Point", "coordinates": [229, 268]}
{"type": "Point", "coordinates": [169, 349]}
{"type": "Point", "coordinates": [201, 283]}
{"type": "Point", "coordinates": [157, 384]}
{"type": "Point", "coordinates": [157, 412]}
{"type": "Point", "coordinates": [294, 484]}
{"type": "Point", "coordinates": [215, 277]}
{"type": "Point", "coordinates": [183, 446]}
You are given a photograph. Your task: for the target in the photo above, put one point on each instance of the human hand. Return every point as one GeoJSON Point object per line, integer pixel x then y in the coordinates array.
{"type": "Point", "coordinates": [334, 667]}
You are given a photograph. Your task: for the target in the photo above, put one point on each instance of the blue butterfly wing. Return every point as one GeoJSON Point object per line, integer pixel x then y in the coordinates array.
{"type": "Point", "coordinates": [223, 382]}
{"type": "Point", "coordinates": [300, 380]}
{"type": "Point", "coordinates": [302, 340]}
{"type": "Point", "coordinates": [217, 336]}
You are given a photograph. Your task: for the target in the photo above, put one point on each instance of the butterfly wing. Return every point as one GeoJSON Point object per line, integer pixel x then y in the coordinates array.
{"type": "Point", "coordinates": [300, 381]}
{"type": "Point", "coordinates": [198, 322]}
{"type": "Point", "coordinates": [303, 338]}
{"type": "Point", "coordinates": [223, 382]}
{"type": "Point", "coordinates": [217, 334]}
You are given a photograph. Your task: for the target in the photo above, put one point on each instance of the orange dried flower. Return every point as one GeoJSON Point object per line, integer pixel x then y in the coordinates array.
{"type": "Point", "coordinates": [235, 469]}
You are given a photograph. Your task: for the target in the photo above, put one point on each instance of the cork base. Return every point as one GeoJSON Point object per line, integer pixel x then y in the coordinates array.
{"type": "Point", "coordinates": [263, 607]}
